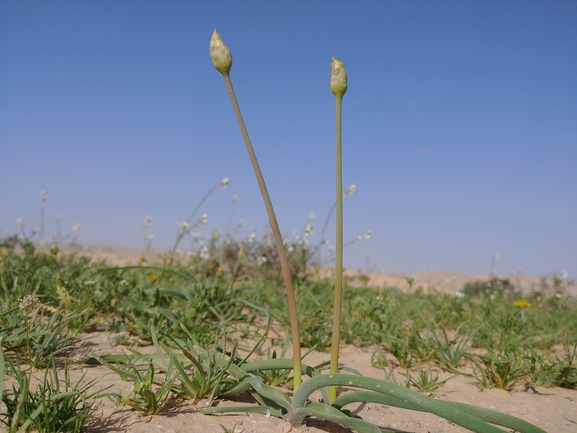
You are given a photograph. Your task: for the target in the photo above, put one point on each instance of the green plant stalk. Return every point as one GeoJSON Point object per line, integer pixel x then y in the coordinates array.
{"type": "Point", "coordinates": [27, 333]}
{"type": "Point", "coordinates": [276, 233]}
{"type": "Point", "coordinates": [337, 308]}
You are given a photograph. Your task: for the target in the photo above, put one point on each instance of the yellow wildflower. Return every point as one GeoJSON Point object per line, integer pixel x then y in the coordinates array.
{"type": "Point", "coordinates": [153, 277]}
{"type": "Point", "coordinates": [522, 304]}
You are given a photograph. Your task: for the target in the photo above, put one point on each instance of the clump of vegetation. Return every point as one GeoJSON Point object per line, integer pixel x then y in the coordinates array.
{"type": "Point", "coordinates": [495, 286]}
{"type": "Point", "coordinates": [421, 334]}
{"type": "Point", "coordinates": [55, 405]}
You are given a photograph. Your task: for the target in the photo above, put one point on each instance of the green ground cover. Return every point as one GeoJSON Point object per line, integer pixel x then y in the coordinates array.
{"type": "Point", "coordinates": [198, 306]}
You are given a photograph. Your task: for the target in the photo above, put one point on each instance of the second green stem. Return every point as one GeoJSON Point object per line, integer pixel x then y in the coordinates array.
{"type": "Point", "coordinates": [335, 344]}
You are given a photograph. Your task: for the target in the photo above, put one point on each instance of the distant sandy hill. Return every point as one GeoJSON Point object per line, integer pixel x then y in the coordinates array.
{"type": "Point", "coordinates": [444, 281]}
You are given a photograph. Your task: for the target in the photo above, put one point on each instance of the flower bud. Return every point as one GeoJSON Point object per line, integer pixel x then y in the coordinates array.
{"type": "Point", "coordinates": [220, 54]}
{"type": "Point", "coordinates": [338, 78]}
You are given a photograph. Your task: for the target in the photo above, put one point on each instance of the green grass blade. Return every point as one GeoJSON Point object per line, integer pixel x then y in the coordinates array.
{"type": "Point", "coordinates": [427, 404]}
{"type": "Point", "coordinates": [263, 410]}
{"type": "Point", "coordinates": [276, 364]}
{"type": "Point", "coordinates": [267, 392]}
{"type": "Point", "coordinates": [2, 367]}
{"type": "Point", "coordinates": [495, 417]}
{"type": "Point", "coordinates": [488, 415]}
{"type": "Point", "coordinates": [329, 413]}
{"type": "Point", "coordinates": [22, 399]}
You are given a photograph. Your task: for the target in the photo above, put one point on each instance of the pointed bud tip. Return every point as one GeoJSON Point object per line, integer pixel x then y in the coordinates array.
{"type": "Point", "coordinates": [220, 54]}
{"type": "Point", "coordinates": [338, 78]}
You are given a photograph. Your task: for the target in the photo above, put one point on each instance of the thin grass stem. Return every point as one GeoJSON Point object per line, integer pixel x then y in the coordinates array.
{"type": "Point", "coordinates": [183, 233]}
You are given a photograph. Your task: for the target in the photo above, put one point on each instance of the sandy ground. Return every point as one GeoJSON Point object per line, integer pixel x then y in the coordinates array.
{"type": "Point", "coordinates": [552, 409]}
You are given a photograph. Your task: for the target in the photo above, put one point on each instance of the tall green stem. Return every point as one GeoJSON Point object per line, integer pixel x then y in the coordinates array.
{"type": "Point", "coordinates": [335, 345]}
{"type": "Point", "coordinates": [338, 85]}
{"type": "Point", "coordinates": [276, 233]}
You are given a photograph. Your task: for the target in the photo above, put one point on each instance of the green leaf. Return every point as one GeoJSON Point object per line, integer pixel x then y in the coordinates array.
{"type": "Point", "coordinates": [488, 415]}
{"type": "Point", "coordinates": [329, 413]}
{"type": "Point", "coordinates": [406, 396]}
{"type": "Point", "coordinates": [263, 410]}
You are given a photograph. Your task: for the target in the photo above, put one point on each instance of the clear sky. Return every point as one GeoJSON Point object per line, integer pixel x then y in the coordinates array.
{"type": "Point", "coordinates": [116, 111]}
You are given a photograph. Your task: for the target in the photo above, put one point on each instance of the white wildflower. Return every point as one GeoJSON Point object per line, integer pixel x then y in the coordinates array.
{"type": "Point", "coordinates": [350, 190]}
{"type": "Point", "coordinates": [147, 220]}
{"type": "Point", "coordinates": [204, 254]}
{"type": "Point", "coordinates": [408, 325]}
{"type": "Point", "coordinates": [368, 234]}
{"type": "Point", "coordinates": [224, 182]}
{"type": "Point", "coordinates": [43, 196]}
{"type": "Point", "coordinates": [309, 230]}
{"type": "Point", "coordinates": [251, 237]}
{"type": "Point", "coordinates": [20, 222]}
{"type": "Point", "coordinates": [183, 226]}
{"type": "Point", "coordinates": [27, 303]}
{"type": "Point", "coordinates": [76, 229]}
{"type": "Point", "coordinates": [150, 236]}
{"type": "Point", "coordinates": [203, 219]}
{"type": "Point", "coordinates": [260, 260]}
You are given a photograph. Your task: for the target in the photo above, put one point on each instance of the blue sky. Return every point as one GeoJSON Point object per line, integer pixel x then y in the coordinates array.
{"type": "Point", "coordinates": [115, 110]}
